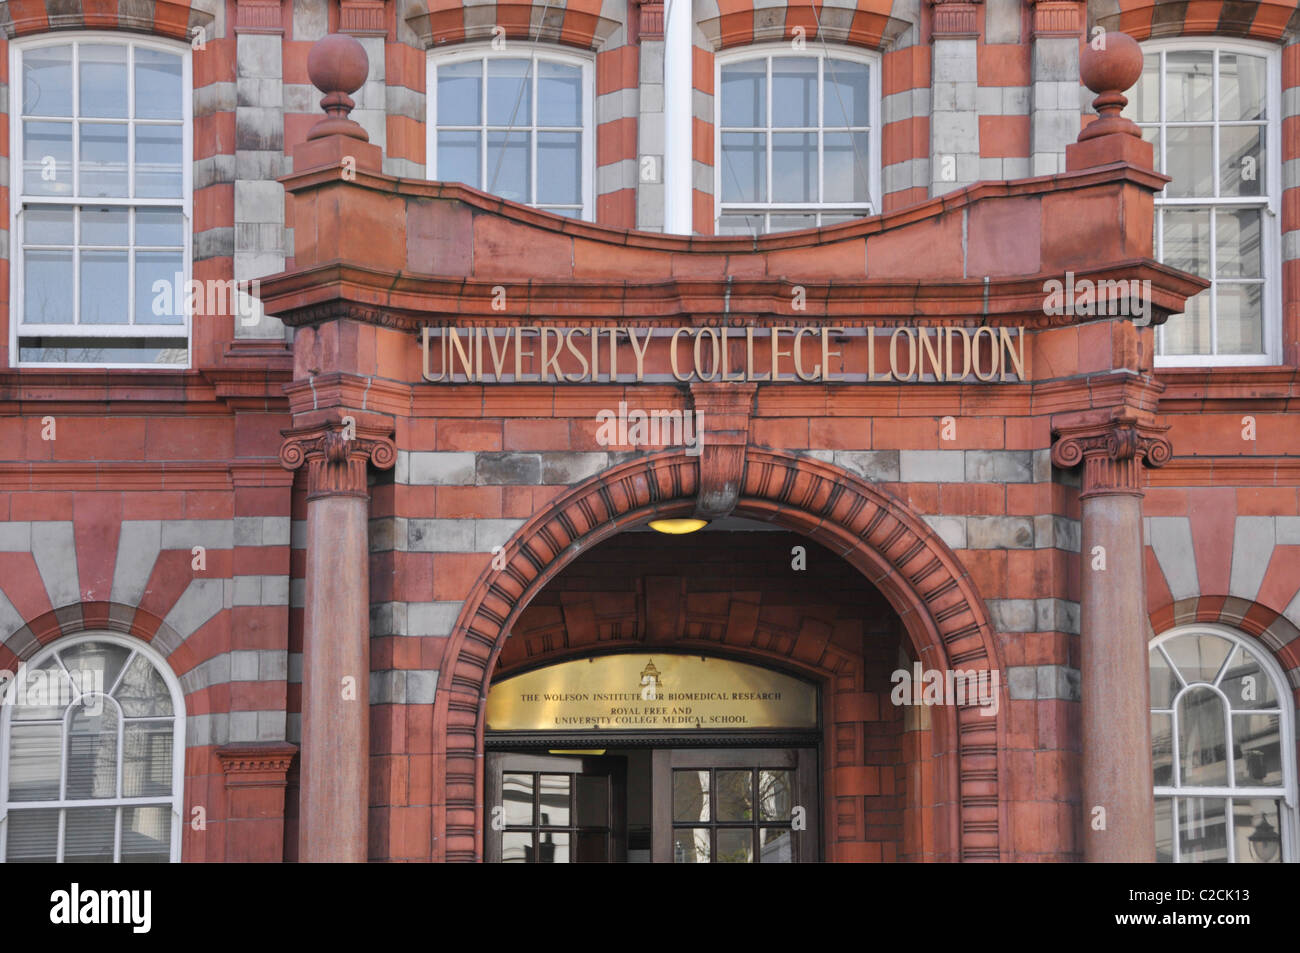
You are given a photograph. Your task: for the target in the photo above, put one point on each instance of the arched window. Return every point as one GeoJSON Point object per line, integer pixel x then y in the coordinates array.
{"type": "Point", "coordinates": [516, 123]}
{"type": "Point", "coordinates": [92, 754]}
{"type": "Point", "coordinates": [798, 138]}
{"type": "Point", "coordinates": [101, 209]}
{"type": "Point", "coordinates": [1222, 743]}
{"type": "Point", "coordinates": [1211, 111]}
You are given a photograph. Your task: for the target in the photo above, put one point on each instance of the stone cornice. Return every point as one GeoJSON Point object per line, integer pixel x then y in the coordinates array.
{"type": "Point", "coordinates": [1112, 449]}
{"type": "Point", "coordinates": [256, 763]}
{"type": "Point", "coordinates": [1056, 18]}
{"type": "Point", "coordinates": [955, 19]}
{"type": "Point", "coordinates": [337, 447]}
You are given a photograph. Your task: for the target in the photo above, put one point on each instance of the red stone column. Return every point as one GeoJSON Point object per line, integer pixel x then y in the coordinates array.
{"type": "Point", "coordinates": [336, 632]}
{"type": "Point", "coordinates": [1118, 799]}
{"type": "Point", "coordinates": [255, 778]}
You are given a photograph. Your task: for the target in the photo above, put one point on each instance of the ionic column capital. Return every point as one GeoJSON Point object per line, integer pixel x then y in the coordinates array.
{"type": "Point", "coordinates": [1113, 451]}
{"type": "Point", "coordinates": [336, 452]}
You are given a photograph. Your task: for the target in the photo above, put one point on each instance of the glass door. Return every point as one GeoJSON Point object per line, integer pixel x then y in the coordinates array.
{"type": "Point", "coordinates": [556, 809]}
{"type": "Point", "coordinates": [735, 805]}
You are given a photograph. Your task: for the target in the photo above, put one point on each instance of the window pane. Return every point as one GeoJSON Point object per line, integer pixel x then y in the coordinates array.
{"type": "Point", "coordinates": [1241, 318]}
{"type": "Point", "coordinates": [103, 80]}
{"type": "Point", "coordinates": [47, 90]}
{"type": "Point", "coordinates": [559, 168]}
{"type": "Point", "coordinates": [43, 693]}
{"type": "Point", "coordinates": [553, 804]}
{"type": "Point", "coordinates": [744, 174]}
{"type": "Point", "coordinates": [592, 847]}
{"type": "Point", "coordinates": [1241, 160]}
{"type": "Point", "coordinates": [103, 159]}
{"type": "Point", "coordinates": [794, 91]}
{"type": "Point", "coordinates": [104, 286]}
{"type": "Point", "coordinates": [516, 847]}
{"type": "Point", "coordinates": [1257, 750]}
{"type": "Point", "coordinates": [593, 802]}
{"type": "Point", "coordinates": [1163, 683]}
{"type": "Point", "coordinates": [157, 275]}
{"type": "Point", "coordinates": [552, 848]}
{"type": "Point", "coordinates": [1164, 830]}
{"type": "Point", "coordinates": [1246, 684]}
{"type": "Point", "coordinates": [158, 171]}
{"type": "Point", "coordinates": [1144, 98]}
{"type": "Point", "coordinates": [1237, 240]}
{"type": "Point", "coordinates": [776, 846]}
{"type": "Point", "coordinates": [47, 225]}
{"type": "Point", "coordinates": [1198, 657]}
{"type": "Point", "coordinates": [775, 794]}
{"type": "Point", "coordinates": [157, 84]}
{"type": "Point", "coordinates": [507, 164]}
{"type": "Point", "coordinates": [791, 223]}
{"type": "Point", "coordinates": [33, 837]}
{"type": "Point", "coordinates": [1257, 828]}
{"type": "Point", "coordinates": [104, 226]}
{"type": "Point", "coordinates": [736, 846]}
{"type": "Point", "coordinates": [794, 167]}
{"type": "Point", "coordinates": [47, 287]}
{"type": "Point", "coordinates": [735, 796]}
{"type": "Point", "coordinates": [1190, 154]}
{"type": "Point", "coordinates": [1189, 86]}
{"type": "Point", "coordinates": [1187, 240]}
{"type": "Point", "coordinates": [34, 753]}
{"type": "Point", "coordinates": [690, 795]}
{"type": "Point", "coordinates": [458, 157]}
{"type": "Point", "coordinates": [846, 90]}
{"type": "Point", "coordinates": [517, 793]}
{"type": "Point", "coordinates": [1189, 332]}
{"type": "Point", "coordinates": [1241, 86]}
{"type": "Point", "coordinates": [740, 224]}
{"type": "Point", "coordinates": [559, 94]}
{"type": "Point", "coordinates": [100, 661]}
{"type": "Point", "coordinates": [744, 94]}
{"type": "Point", "coordinates": [88, 835]}
{"type": "Point", "coordinates": [1202, 837]}
{"type": "Point", "coordinates": [691, 845]}
{"type": "Point", "coordinates": [47, 158]}
{"type": "Point", "coordinates": [1202, 746]}
{"type": "Point", "coordinates": [1162, 748]}
{"type": "Point", "coordinates": [147, 759]}
{"type": "Point", "coordinates": [146, 835]}
{"type": "Point", "coordinates": [1151, 134]}
{"type": "Point", "coordinates": [509, 99]}
{"type": "Point", "coordinates": [160, 351]}
{"type": "Point", "coordinates": [142, 690]}
{"type": "Point", "coordinates": [846, 157]}
{"type": "Point", "coordinates": [460, 93]}
{"type": "Point", "coordinates": [159, 226]}
{"type": "Point", "coordinates": [92, 750]}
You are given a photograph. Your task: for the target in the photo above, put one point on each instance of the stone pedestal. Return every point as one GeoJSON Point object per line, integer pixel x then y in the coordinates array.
{"type": "Point", "coordinates": [1118, 799]}
{"type": "Point", "coordinates": [336, 633]}
{"type": "Point", "coordinates": [255, 779]}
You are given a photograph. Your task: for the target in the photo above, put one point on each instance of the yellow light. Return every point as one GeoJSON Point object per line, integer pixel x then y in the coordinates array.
{"type": "Point", "coordinates": [677, 527]}
{"type": "Point", "coordinates": [595, 751]}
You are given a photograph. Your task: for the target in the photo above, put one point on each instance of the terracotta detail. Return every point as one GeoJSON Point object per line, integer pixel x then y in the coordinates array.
{"type": "Point", "coordinates": [652, 20]}
{"type": "Point", "coordinates": [955, 19]}
{"type": "Point", "coordinates": [255, 763]}
{"type": "Point", "coordinates": [896, 551]}
{"type": "Point", "coordinates": [364, 17]}
{"type": "Point", "coordinates": [1108, 72]}
{"type": "Point", "coordinates": [336, 453]}
{"type": "Point", "coordinates": [258, 16]}
{"type": "Point", "coordinates": [338, 66]}
{"type": "Point", "coordinates": [1056, 18]}
{"type": "Point", "coordinates": [1113, 452]}
{"type": "Point", "coordinates": [722, 418]}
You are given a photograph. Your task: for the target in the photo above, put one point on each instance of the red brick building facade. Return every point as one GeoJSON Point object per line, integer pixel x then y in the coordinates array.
{"type": "Point", "coordinates": [977, 389]}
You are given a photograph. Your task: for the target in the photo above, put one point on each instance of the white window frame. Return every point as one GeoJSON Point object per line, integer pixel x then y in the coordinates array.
{"type": "Point", "coordinates": [817, 50]}
{"type": "Point", "coordinates": [178, 745]}
{"type": "Point", "coordinates": [16, 87]}
{"type": "Point", "coordinates": [514, 51]}
{"type": "Point", "coordinates": [1271, 220]}
{"type": "Point", "coordinates": [1290, 831]}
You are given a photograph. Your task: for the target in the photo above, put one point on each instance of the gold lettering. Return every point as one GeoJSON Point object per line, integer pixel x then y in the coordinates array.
{"type": "Point", "coordinates": [965, 351]}
{"type": "Point", "coordinates": [798, 357]}
{"type": "Point", "coordinates": [871, 357]}
{"type": "Point", "coordinates": [1017, 353]}
{"type": "Point", "coordinates": [933, 347]}
{"type": "Point", "coordinates": [715, 363]}
{"type": "Point", "coordinates": [672, 355]}
{"type": "Point", "coordinates": [582, 358]}
{"type": "Point", "coordinates": [726, 359]}
{"type": "Point", "coordinates": [911, 354]}
{"type": "Point", "coordinates": [639, 350]}
{"type": "Point", "coordinates": [554, 359]}
{"type": "Point", "coordinates": [993, 354]}
{"type": "Point", "coordinates": [827, 353]}
{"type": "Point", "coordinates": [520, 353]}
{"type": "Point", "coordinates": [428, 376]}
{"type": "Point", "coordinates": [750, 373]}
{"type": "Point", "coordinates": [498, 362]}
{"type": "Point", "coordinates": [466, 358]}
{"type": "Point", "coordinates": [777, 354]}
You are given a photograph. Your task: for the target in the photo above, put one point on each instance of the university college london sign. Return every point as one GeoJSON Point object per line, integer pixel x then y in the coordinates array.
{"type": "Point", "coordinates": [638, 691]}
{"type": "Point", "coordinates": [547, 354]}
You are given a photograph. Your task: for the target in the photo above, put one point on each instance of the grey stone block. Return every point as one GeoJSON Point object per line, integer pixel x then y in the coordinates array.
{"type": "Point", "coordinates": [15, 537]}
{"type": "Point", "coordinates": [432, 618]}
{"type": "Point", "coordinates": [441, 468]}
{"type": "Point", "coordinates": [440, 536]}
{"type": "Point", "coordinates": [931, 466]}
{"type": "Point", "coordinates": [509, 468]}
{"type": "Point", "coordinates": [999, 466]}
{"type": "Point", "coordinates": [570, 468]}
{"type": "Point", "coordinates": [491, 533]}
{"type": "Point", "coordinates": [878, 466]}
{"type": "Point", "coordinates": [1252, 550]}
{"type": "Point", "coordinates": [951, 529]}
{"type": "Point", "coordinates": [1022, 682]}
{"type": "Point", "coordinates": [54, 547]}
{"type": "Point", "coordinates": [1012, 615]}
{"type": "Point", "coordinates": [1000, 532]}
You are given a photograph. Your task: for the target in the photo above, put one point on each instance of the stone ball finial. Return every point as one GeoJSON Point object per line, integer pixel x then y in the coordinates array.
{"type": "Point", "coordinates": [1108, 66]}
{"type": "Point", "coordinates": [338, 66]}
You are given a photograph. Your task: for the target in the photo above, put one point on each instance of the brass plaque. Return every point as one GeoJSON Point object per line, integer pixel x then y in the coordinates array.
{"type": "Point", "coordinates": [650, 691]}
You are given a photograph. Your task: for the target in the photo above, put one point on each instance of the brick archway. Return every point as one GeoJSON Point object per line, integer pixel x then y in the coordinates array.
{"type": "Point", "coordinates": [895, 551]}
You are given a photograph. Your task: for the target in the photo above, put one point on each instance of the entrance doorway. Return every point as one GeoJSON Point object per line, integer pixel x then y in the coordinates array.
{"type": "Point", "coordinates": [646, 803]}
